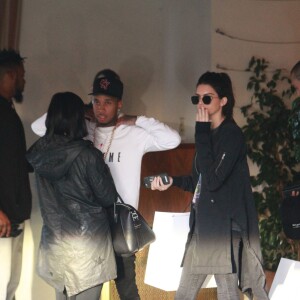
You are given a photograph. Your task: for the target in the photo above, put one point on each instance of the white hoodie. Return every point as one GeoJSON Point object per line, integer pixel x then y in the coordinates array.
{"type": "Point", "coordinates": [128, 145]}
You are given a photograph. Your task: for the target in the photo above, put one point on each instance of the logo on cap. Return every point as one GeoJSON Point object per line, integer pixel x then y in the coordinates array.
{"type": "Point", "coordinates": [104, 84]}
{"type": "Point", "coordinates": [108, 86]}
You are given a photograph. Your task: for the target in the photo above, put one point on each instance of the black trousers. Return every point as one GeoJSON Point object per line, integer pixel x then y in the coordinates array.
{"type": "Point", "coordinates": [125, 282]}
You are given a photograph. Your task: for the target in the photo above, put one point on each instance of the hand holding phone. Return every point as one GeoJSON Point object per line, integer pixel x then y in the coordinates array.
{"type": "Point", "coordinates": [164, 177]}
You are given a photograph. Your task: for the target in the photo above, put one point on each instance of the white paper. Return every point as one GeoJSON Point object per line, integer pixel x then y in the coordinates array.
{"type": "Point", "coordinates": [286, 281]}
{"type": "Point", "coordinates": [163, 269]}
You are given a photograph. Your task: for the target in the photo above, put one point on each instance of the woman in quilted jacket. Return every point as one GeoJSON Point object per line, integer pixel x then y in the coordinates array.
{"type": "Point", "coordinates": [74, 187]}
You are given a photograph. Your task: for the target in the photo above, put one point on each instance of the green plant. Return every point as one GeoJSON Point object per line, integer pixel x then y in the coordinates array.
{"type": "Point", "coordinates": [271, 148]}
{"type": "Point", "coordinates": [294, 124]}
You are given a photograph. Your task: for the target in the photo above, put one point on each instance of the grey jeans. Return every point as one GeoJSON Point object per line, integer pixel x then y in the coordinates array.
{"type": "Point", "coordinates": [227, 284]}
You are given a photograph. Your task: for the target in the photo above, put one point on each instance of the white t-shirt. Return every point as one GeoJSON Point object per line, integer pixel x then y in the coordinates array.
{"type": "Point", "coordinates": [128, 145]}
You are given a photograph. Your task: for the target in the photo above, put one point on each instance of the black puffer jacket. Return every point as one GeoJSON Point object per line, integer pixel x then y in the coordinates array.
{"type": "Point", "coordinates": [74, 185]}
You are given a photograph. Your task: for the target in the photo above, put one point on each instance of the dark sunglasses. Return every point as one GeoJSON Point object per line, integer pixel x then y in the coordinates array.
{"type": "Point", "coordinates": [206, 99]}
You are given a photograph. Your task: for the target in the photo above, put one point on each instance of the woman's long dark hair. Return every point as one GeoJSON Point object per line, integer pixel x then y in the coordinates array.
{"type": "Point", "coordinates": [66, 116]}
{"type": "Point", "coordinates": [221, 83]}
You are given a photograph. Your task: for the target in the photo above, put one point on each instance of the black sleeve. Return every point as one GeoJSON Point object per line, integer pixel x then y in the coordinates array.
{"type": "Point", "coordinates": [184, 182]}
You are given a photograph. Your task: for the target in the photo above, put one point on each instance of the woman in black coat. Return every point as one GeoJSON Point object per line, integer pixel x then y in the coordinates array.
{"type": "Point", "coordinates": [74, 187]}
{"type": "Point", "coordinates": [224, 237]}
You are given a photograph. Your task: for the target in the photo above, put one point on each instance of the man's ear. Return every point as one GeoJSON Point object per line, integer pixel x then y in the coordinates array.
{"type": "Point", "coordinates": [12, 74]}
{"type": "Point", "coordinates": [120, 104]}
{"type": "Point", "coordinates": [9, 77]}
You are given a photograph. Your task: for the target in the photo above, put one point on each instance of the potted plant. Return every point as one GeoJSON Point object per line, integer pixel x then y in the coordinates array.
{"type": "Point", "coordinates": [271, 148]}
{"type": "Point", "coordinates": [294, 124]}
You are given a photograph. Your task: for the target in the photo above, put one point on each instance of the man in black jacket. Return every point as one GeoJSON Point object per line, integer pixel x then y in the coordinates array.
{"type": "Point", "coordinates": [15, 194]}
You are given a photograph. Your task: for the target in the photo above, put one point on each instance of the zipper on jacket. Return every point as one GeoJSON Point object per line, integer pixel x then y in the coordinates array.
{"type": "Point", "coordinates": [222, 158]}
{"type": "Point", "coordinates": [195, 163]}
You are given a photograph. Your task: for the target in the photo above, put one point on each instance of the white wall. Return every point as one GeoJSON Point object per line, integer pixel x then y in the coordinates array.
{"type": "Point", "coordinates": [158, 47]}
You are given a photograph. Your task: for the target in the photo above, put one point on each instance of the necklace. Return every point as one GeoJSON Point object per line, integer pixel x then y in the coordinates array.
{"type": "Point", "coordinates": [109, 143]}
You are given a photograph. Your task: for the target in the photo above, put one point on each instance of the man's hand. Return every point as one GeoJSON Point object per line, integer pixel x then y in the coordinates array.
{"type": "Point", "coordinates": [126, 120]}
{"type": "Point", "coordinates": [5, 226]}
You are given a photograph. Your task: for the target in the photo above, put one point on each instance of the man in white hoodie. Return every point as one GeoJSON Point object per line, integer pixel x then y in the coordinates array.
{"type": "Point", "coordinates": [124, 140]}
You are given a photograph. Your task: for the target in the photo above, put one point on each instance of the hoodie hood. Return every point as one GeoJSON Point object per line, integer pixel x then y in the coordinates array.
{"type": "Point", "coordinates": [52, 158]}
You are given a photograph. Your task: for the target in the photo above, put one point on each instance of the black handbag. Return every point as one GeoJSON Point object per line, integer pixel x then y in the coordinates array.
{"type": "Point", "coordinates": [290, 217]}
{"type": "Point", "coordinates": [129, 230]}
